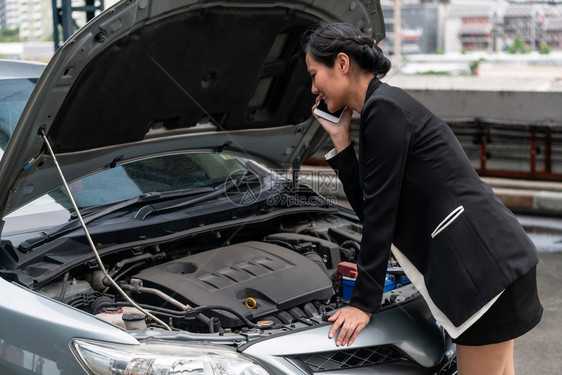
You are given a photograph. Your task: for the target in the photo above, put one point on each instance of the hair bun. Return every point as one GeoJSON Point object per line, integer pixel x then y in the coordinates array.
{"type": "Point", "coordinates": [326, 42]}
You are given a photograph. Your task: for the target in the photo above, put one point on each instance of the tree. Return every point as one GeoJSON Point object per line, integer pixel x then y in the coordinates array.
{"type": "Point", "coordinates": [9, 35]}
{"type": "Point", "coordinates": [544, 49]}
{"type": "Point", "coordinates": [518, 46]}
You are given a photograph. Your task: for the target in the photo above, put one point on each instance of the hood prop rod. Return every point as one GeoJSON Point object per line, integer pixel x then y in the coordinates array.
{"type": "Point", "coordinates": [96, 253]}
{"type": "Point", "coordinates": [297, 167]}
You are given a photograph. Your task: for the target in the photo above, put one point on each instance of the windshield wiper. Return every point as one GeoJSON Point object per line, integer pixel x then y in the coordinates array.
{"type": "Point", "coordinates": [98, 212]}
{"type": "Point", "coordinates": [218, 191]}
{"type": "Point", "coordinates": [107, 209]}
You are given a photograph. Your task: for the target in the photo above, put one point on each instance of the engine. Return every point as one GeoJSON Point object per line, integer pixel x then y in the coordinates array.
{"type": "Point", "coordinates": [253, 279]}
{"type": "Point", "coordinates": [259, 277]}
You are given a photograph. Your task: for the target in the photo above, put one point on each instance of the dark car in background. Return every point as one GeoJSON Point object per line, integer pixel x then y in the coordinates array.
{"type": "Point", "coordinates": [185, 247]}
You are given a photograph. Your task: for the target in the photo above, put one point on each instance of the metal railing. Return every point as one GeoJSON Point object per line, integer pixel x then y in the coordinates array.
{"type": "Point", "coordinates": [499, 148]}
{"type": "Point", "coordinates": [511, 149]}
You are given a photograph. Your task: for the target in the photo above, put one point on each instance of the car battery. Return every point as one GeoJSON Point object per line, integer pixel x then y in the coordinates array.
{"type": "Point", "coordinates": [348, 273]}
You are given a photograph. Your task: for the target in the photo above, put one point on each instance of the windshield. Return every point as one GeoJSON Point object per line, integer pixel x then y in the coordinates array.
{"type": "Point", "coordinates": [159, 174]}
{"type": "Point", "coordinates": [14, 93]}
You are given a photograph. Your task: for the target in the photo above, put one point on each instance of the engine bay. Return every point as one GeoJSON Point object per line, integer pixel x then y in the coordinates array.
{"type": "Point", "coordinates": [295, 268]}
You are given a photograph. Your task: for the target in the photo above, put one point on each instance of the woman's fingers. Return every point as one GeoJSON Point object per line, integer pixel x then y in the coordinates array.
{"type": "Point", "coordinates": [339, 132]}
{"type": "Point", "coordinates": [336, 325]}
{"type": "Point", "coordinates": [356, 332]}
{"type": "Point", "coordinates": [350, 321]}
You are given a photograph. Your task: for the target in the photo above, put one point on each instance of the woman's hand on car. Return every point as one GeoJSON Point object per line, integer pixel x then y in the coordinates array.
{"type": "Point", "coordinates": [350, 321]}
{"type": "Point", "coordinates": [339, 132]}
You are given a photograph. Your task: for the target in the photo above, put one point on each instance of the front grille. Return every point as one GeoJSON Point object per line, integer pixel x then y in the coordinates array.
{"type": "Point", "coordinates": [343, 359]}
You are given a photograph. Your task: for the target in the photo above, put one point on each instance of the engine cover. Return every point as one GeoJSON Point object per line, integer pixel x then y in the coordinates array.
{"type": "Point", "coordinates": [276, 278]}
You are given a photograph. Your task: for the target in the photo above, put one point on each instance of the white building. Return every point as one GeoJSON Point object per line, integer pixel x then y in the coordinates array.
{"type": "Point", "coordinates": [9, 18]}
{"type": "Point", "coordinates": [472, 28]}
{"type": "Point", "coordinates": [36, 19]}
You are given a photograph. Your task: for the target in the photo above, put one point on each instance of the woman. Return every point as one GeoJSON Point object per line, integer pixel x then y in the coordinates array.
{"type": "Point", "coordinates": [416, 192]}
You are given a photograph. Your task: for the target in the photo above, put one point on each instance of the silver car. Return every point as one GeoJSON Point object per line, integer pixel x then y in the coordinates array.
{"type": "Point", "coordinates": [149, 222]}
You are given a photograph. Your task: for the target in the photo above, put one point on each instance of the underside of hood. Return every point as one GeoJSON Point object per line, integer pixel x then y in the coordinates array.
{"type": "Point", "coordinates": [163, 76]}
{"type": "Point", "coordinates": [149, 77]}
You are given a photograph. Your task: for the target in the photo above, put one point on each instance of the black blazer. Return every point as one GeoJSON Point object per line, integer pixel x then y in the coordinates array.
{"type": "Point", "coordinates": [412, 173]}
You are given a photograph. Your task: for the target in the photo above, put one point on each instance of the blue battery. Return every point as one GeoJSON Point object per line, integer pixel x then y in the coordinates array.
{"type": "Point", "coordinates": [390, 283]}
{"type": "Point", "coordinates": [347, 286]}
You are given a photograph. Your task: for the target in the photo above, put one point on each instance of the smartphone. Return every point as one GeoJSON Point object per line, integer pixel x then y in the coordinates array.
{"type": "Point", "coordinates": [322, 111]}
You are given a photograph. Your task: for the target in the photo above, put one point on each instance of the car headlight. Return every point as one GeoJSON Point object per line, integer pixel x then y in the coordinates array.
{"type": "Point", "coordinates": [102, 358]}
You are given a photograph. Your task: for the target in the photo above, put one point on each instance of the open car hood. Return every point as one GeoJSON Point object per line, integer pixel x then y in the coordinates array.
{"type": "Point", "coordinates": [149, 77]}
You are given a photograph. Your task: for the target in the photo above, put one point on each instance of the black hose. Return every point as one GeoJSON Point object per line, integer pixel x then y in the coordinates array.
{"type": "Point", "coordinates": [64, 286]}
{"type": "Point", "coordinates": [224, 308]}
{"type": "Point", "coordinates": [196, 310]}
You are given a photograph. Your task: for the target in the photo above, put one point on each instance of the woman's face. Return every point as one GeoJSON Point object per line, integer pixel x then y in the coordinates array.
{"type": "Point", "coordinates": [326, 83]}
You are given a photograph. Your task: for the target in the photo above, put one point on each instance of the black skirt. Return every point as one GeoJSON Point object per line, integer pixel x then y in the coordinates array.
{"type": "Point", "coordinates": [514, 313]}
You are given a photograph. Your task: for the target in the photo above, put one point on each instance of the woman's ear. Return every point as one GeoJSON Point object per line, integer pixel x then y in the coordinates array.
{"type": "Point", "coordinates": [342, 62]}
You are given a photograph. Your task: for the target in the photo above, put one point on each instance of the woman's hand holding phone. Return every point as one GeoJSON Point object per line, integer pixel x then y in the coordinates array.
{"type": "Point", "coordinates": [339, 130]}
{"type": "Point", "coordinates": [322, 111]}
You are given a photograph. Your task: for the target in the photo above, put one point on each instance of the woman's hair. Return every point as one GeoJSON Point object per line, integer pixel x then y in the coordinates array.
{"type": "Point", "coordinates": [325, 42]}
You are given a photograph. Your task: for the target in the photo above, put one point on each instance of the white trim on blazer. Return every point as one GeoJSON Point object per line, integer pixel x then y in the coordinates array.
{"type": "Point", "coordinates": [418, 280]}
